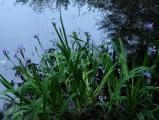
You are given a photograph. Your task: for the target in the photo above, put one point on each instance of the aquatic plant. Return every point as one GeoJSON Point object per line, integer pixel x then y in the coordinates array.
{"type": "Point", "coordinates": [81, 81]}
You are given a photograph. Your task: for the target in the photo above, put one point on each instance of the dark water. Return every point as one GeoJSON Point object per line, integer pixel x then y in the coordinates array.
{"type": "Point", "coordinates": [135, 22]}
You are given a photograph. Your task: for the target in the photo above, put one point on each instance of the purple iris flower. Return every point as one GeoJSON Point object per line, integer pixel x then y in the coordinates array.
{"type": "Point", "coordinates": [102, 98]}
{"type": "Point", "coordinates": [5, 51]}
{"type": "Point", "coordinates": [27, 61]}
{"type": "Point", "coordinates": [15, 55]}
{"type": "Point", "coordinates": [36, 36]}
{"type": "Point", "coordinates": [149, 26]}
{"type": "Point", "coordinates": [152, 50]}
{"type": "Point", "coordinates": [71, 104]}
{"type": "Point", "coordinates": [20, 48]}
{"type": "Point", "coordinates": [46, 50]}
{"type": "Point", "coordinates": [147, 74]}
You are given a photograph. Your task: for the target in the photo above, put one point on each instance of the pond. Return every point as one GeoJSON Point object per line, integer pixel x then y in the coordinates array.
{"type": "Point", "coordinates": [135, 22]}
{"type": "Point", "coordinates": [20, 20]}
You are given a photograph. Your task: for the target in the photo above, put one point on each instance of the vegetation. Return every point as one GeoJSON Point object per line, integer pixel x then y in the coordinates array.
{"type": "Point", "coordinates": [78, 80]}
{"type": "Point", "coordinates": [135, 22]}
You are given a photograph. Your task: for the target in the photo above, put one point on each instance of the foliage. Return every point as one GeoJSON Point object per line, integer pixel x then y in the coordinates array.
{"type": "Point", "coordinates": [79, 80]}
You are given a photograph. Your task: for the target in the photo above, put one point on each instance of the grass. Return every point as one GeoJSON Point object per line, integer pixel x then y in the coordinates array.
{"type": "Point", "coordinates": [81, 81]}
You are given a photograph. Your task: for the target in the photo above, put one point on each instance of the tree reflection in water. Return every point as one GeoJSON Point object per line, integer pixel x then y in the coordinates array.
{"type": "Point", "coordinates": [129, 20]}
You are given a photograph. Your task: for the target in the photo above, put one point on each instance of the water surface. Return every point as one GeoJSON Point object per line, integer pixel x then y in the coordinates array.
{"type": "Point", "coordinates": [135, 22]}
{"type": "Point", "coordinates": [21, 20]}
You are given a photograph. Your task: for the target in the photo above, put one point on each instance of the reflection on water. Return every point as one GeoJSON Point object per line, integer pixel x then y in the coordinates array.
{"type": "Point", "coordinates": [22, 19]}
{"type": "Point", "coordinates": [135, 21]}
{"type": "Point", "coordinates": [19, 23]}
